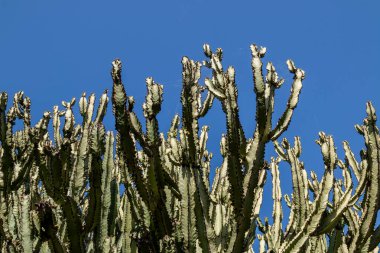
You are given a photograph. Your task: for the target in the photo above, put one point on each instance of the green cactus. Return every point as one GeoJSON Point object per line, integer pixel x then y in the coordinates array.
{"type": "Point", "coordinates": [62, 193]}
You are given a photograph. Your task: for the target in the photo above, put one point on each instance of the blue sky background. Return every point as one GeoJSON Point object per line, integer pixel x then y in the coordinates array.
{"type": "Point", "coordinates": [55, 50]}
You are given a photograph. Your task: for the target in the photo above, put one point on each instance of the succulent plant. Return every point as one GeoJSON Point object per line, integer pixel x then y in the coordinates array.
{"type": "Point", "coordinates": [61, 193]}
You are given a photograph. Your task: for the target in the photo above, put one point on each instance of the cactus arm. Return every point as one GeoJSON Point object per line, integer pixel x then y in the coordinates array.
{"type": "Point", "coordinates": [137, 131]}
{"type": "Point", "coordinates": [360, 188]}
{"type": "Point", "coordinates": [300, 186]}
{"type": "Point", "coordinates": [286, 117]}
{"type": "Point", "coordinates": [277, 207]}
{"type": "Point", "coordinates": [272, 83]}
{"type": "Point", "coordinates": [291, 226]}
{"type": "Point", "coordinates": [201, 216]}
{"type": "Point", "coordinates": [207, 104]}
{"type": "Point", "coordinates": [102, 108]}
{"type": "Point", "coordinates": [152, 107]}
{"type": "Point", "coordinates": [252, 183]}
{"type": "Point", "coordinates": [259, 86]}
{"type": "Point", "coordinates": [190, 106]}
{"type": "Point", "coordinates": [92, 217]}
{"type": "Point", "coordinates": [372, 196]}
{"type": "Point", "coordinates": [214, 90]}
{"type": "Point", "coordinates": [26, 228]}
{"type": "Point", "coordinates": [331, 220]}
{"type": "Point", "coordinates": [187, 189]}
{"type": "Point", "coordinates": [106, 177]}
{"type": "Point", "coordinates": [261, 243]}
{"type": "Point", "coordinates": [119, 102]}
{"type": "Point", "coordinates": [320, 204]}
{"type": "Point", "coordinates": [82, 159]}
{"type": "Point", "coordinates": [351, 160]}
{"type": "Point", "coordinates": [68, 126]}
{"type": "Point", "coordinates": [226, 82]}
{"type": "Point", "coordinates": [194, 150]}
{"type": "Point", "coordinates": [255, 163]}
{"type": "Point", "coordinates": [56, 126]}
{"type": "Point", "coordinates": [258, 199]}
{"type": "Point", "coordinates": [128, 221]}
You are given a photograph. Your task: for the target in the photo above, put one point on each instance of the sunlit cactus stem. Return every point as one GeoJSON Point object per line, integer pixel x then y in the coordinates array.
{"type": "Point", "coordinates": [78, 187]}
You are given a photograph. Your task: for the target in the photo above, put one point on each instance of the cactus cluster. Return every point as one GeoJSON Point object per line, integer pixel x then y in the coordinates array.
{"type": "Point", "coordinates": [60, 189]}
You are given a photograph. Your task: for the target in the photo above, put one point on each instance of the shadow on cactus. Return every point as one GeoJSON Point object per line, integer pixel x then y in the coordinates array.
{"type": "Point", "coordinates": [60, 193]}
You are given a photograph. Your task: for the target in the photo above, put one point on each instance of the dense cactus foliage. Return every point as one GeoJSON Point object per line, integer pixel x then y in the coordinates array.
{"type": "Point", "coordinates": [60, 188]}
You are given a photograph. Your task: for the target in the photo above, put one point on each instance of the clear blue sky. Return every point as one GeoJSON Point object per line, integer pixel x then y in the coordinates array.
{"type": "Point", "coordinates": [55, 50]}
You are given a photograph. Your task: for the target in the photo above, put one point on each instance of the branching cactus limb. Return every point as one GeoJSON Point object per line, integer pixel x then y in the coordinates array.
{"type": "Point", "coordinates": [254, 157]}
{"type": "Point", "coordinates": [371, 202]}
{"type": "Point", "coordinates": [61, 193]}
{"type": "Point", "coordinates": [122, 125]}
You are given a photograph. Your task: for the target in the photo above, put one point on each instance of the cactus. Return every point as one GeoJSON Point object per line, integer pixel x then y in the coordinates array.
{"type": "Point", "coordinates": [62, 193]}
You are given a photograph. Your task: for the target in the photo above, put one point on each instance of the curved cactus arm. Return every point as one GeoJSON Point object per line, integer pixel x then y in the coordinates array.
{"type": "Point", "coordinates": [372, 197]}
{"type": "Point", "coordinates": [315, 184]}
{"type": "Point", "coordinates": [330, 221]}
{"type": "Point", "coordinates": [351, 160]}
{"type": "Point", "coordinates": [102, 108]}
{"type": "Point", "coordinates": [138, 132]}
{"type": "Point", "coordinates": [280, 151]}
{"type": "Point", "coordinates": [320, 204]}
{"type": "Point", "coordinates": [213, 89]}
{"type": "Point", "coordinates": [361, 186]}
{"type": "Point", "coordinates": [286, 117]}
{"type": "Point", "coordinates": [207, 104]}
